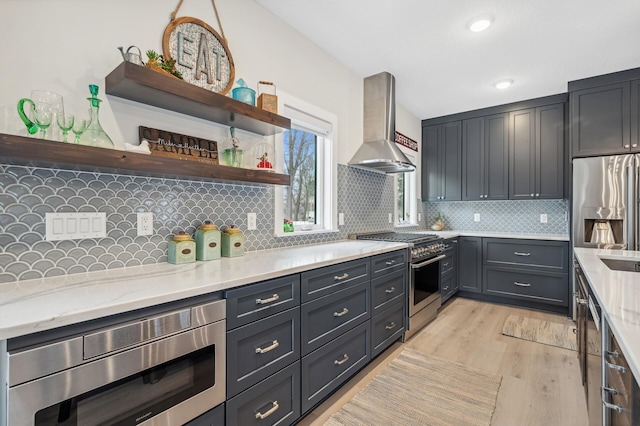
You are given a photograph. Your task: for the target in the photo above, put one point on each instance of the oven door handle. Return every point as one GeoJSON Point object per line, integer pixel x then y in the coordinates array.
{"type": "Point", "coordinates": [428, 262]}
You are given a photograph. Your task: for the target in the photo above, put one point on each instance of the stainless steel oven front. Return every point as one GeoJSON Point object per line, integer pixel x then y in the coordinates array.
{"type": "Point", "coordinates": [161, 370]}
{"type": "Point", "coordinates": [424, 292]}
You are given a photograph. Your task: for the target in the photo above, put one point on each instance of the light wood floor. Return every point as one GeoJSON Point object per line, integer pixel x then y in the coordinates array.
{"type": "Point", "coordinates": [540, 383]}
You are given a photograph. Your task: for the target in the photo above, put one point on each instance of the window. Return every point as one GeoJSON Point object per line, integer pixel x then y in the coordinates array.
{"type": "Point", "coordinates": [306, 154]}
{"type": "Point", "coordinates": [406, 197]}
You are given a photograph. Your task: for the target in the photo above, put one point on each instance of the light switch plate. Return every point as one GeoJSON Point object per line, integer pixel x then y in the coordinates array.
{"type": "Point", "coordinates": [476, 217]}
{"type": "Point", "coordinates": [340, 219]}
{"type": "Point", "coordinates": [75, 226]}
{"type": "Point", "coordinates": [390, 217]}
{"type": "Point", "coordinates": [543, 218]}
{"type": "Point", "coordinates": [251, 221]}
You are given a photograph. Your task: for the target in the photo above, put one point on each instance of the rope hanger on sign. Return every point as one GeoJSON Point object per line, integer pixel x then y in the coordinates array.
{"type": "Point", "coordinates": [215, 9]}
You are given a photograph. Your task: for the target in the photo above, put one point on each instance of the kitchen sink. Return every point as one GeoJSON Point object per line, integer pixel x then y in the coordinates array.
{"type": "Point", "coordinates": [622, 265]}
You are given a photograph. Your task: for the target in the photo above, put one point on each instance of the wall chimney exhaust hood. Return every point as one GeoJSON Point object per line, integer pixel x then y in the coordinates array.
{"type": "Point", "coordinates": [379, 152]}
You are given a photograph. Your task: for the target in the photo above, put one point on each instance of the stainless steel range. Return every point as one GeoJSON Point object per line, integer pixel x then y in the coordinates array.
{"type": "Point", "coordinates": [424, 275]}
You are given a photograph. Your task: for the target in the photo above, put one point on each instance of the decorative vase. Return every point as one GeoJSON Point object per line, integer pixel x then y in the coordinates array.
{"type": "Point", "coordinates": [438, 225]}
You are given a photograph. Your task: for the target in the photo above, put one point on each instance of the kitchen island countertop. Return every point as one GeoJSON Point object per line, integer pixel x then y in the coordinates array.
{"type": "Point", "coordinates": [31, 306]}
{"type": "Point", "coordinates": [454, 233]}
{"type": "Point", "coordinates": [618, 293]}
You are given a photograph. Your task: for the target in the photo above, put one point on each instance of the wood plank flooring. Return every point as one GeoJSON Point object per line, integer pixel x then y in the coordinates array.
{"type": "Point", "coordinates": [540, 383]}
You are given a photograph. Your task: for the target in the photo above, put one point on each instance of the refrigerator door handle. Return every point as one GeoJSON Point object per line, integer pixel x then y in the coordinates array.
{"type": "Point", "coordinates": [632, 207]}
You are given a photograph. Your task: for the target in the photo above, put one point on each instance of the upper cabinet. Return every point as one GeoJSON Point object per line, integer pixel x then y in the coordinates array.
{"type": "Point", "coordinates": [536, 153]}
{"type": "Point", "coordinates": [441, 154]}
{"type": "Point", "coordinates": [605, 114]}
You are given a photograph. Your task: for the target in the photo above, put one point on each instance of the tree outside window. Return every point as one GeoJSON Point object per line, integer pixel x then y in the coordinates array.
{"type": "Point", "coordinates": [300, 163]}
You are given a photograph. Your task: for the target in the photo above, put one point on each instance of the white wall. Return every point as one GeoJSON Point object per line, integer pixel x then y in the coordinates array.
{"type": "Point", "coordinates": [65, 45]}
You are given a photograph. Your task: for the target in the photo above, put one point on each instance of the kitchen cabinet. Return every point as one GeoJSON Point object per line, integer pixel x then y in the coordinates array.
{"type": "Point", "coordinates": [441, 154]}
{"type": "Point", "coordinates": [449, 270]}
{"type": "Point", "coordinates": [215, 416]}
{"type": "Point", "coordinates": [485, 162]}
{"type": "Point", "coordinates": [470, 264]}
{"type": "Point", "coordinates": [536, 153]}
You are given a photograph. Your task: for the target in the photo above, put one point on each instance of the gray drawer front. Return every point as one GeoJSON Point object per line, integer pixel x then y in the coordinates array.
{"type": "Point", "coordinates": [251, 303]}
{"type": "Point", "coordinates": [447, 284]}
{"type": "Point", "coordinates": [550, 255]}
{"type": "Point", "coordinates": [388, 262]}
{"type": "Point", "coordinates": [388, 289]}
{"type": "Point", "coordinates": [327, 368]}
{"type": "Point", "coordinates": [215, 416]}
{"type": "Point", "coordinates": [283, 388]}
{"type": "Point", "coordinates": [387, 327]}
{"type": "Point", "coordinates": [539, 287]}
{"type": "Point", "coordinates": [327, 280]}
{"type": "Point", "coordinates": [326, 318]}
{"type": "Point", "coordinates": [448, 263]}
{"type": "Point", "coordinates": [277, 337]}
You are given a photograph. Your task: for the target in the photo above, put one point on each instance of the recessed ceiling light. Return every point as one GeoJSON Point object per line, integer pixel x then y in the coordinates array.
{"type": "Point", "coordinates": [480, 23]}
{"type": "Point", "coordinates": [502, 84]}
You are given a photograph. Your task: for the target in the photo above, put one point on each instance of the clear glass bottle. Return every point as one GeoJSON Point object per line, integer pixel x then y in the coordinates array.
{"type": "Point", "coordinates": [94, 135]}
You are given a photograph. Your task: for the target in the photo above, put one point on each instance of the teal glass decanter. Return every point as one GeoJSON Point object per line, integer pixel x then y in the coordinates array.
{"type": "Point", "coordinates": [94, 135]}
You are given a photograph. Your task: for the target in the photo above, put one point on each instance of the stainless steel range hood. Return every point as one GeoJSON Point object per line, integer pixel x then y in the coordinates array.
{"type": "Point", "coordinates": [379, 152]}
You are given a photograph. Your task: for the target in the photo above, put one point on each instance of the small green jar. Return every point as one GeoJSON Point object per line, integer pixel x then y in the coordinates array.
{"type": "Point", "coordinates": [182, 249]}
{"type": "Point", "coordinates": [232, 242]}
{"type": "Point", "coordinates": [208, 242]}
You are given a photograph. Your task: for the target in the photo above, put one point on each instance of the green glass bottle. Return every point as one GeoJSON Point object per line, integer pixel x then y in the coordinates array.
{"type": "Point", "coordinates": [94, 135]}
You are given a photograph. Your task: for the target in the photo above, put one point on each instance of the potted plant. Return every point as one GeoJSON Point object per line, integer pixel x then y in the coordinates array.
{"type": "Point", "coordinates": [439, 223]}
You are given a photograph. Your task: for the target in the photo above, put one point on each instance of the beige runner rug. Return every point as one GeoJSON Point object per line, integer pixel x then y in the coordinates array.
{"type": "Point", "coordinates": [548, 333]}
{"type": "Point", "coordinates": [419, 389]}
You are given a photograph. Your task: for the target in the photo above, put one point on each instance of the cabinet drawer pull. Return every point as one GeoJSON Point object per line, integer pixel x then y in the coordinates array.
{"type": "Point", "coordinates": [341, 277]}
{"type": "Point", "coordinates": [272, 410]}
{"type": "Point", "coordinates": [612, 391]}
{"type": "Point", "coordinates": [613, 407]}
{"type": "Point", "coordinates": [445, 288]}
{"type": "Point", "coordinates": [517, 253]}
{"type": "Point", "coordinates": [391, 262]}
{"type": "Point", "coordinates": [445, 264]}
{"type": "Point", "coordinates": [616, 367]}
{"type": "Point", "coordinates": [390, 290]}
{"type": "Point", "coordinates": [273, 345]}
{"type": "Point", "coordinates": [522, 284]}
{"type": "Point", "coordinates": [344, 359]}
{"type": "Point", "coordinates": [390, 326]}
{"type": "Point", "coordinates": [344, 311]}
{"type": "Point", "coordinates": [614, 354]}
{"type": "Point", "coordinates": [269, 300]}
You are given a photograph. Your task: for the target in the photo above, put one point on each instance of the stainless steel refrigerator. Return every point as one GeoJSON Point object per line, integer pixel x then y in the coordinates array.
{"type": "Point", "coordinates": [605, 201]}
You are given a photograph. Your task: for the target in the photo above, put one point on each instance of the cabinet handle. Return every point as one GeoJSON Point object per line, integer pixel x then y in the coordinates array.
{"type": "Point", "coordinates": [613, 407]}
{"type": "Point", "coordinates": [634, 145]}
{"type": "Point", "coordinates": [344, 359]}
{"type": "Point", "coordinates": [537, 195]}
{"type": "Point", "coordinates": [616, 367]}
{"type": "Point", "coordinates": [445, 264]}
{"type": "Point", "coordinates": [522, 284]}
{"type": "Point", "coordinates": [273, 345]}
{"type": "Point", "coordinates": [341, 277]}
{"type": "Point", "coordinates": [390, 326]}
{"type": "Point", "coordinates": [445, 288]}
{"type": "Point", "coordinates": [390, 290]}
{"type": "Point", "coordinates": [391, 262]}
{"type": "Point", "coordinates": [269, 300]}
{"type": "Point", "coordinates": [272, 410]}
{"type": "Point", "coordinates": [344, 311]}
{"type": "Point", "coordinates": [626, 146]}
{"type": "Point", "coordinates": [518, 253]}
{"type": "Point", "coordinates": [611, 391]}
{"type": "Point", "coordinates": [532, 195]}
{"type": "Point", "coordinates": [614, 354]}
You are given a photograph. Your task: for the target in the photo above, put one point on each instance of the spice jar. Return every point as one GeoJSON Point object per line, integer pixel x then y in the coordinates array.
{"type": "Point", "coordinates": [232, 242]}
{"type": "Point", "coordinates": [208, 241]}
{"type": "Point", "coordinates": [182, 249]}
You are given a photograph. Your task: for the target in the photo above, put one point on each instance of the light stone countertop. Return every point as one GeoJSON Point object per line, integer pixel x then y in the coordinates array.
{"type": "Point", "coordinates": [453, 233]}
{"type": "Point", "coordinates": [42, 304]}
{"type": "Point", "coordinates": [618, 293]}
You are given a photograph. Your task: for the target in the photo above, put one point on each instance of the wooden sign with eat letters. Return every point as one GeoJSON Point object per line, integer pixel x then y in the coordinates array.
{"type": "Point", "coordinates": [175, 145]}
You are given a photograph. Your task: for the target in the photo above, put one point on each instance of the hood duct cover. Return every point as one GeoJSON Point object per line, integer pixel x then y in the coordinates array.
{"type": "Point", "coordinates": [379, 152]}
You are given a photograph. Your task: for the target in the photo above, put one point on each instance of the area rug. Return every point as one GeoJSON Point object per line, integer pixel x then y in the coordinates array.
{"type": "Point", "coordinates": [418, 389]}
{"type": "Point", "coordinates": [548, 333]}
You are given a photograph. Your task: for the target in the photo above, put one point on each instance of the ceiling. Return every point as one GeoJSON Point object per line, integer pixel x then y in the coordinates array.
{"type": "Point", "coordinates": [442, 68]}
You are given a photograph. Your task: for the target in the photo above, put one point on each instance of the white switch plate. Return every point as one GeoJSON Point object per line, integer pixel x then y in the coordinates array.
{"type": "Point", "coordinates": [75, 226]}
{"type": "Point", "coordinates": [340, 219]}
{"type": "Point", "coordinates": [145, 223]}
{"type": "Point", "coordinates": [251, 221]}
{"type": "Point", "coordinates": [419, 217]}
{"type": "Point", "coordinates": [543, 218]}
{"type": "Point", "coordinates": [476, 217]}
{"type": "Point", "coordinates": [390, 217]}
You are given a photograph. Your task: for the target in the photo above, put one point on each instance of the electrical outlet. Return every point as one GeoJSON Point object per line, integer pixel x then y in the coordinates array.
{"type": "Point", "coordinates": [145, 223]}
{"type": "Point", "coordinates": [340, 219]}
{"type": "Point", "coordinates": [543, 218]}
{"type": "Point", "coordinates": [476, 217]}
{"type": "Point", "coordinates": [419, 217]}
{"type": "Point", "coordinates": [251, 221]}
{"type": "Point", "coordinates": [390, 217]}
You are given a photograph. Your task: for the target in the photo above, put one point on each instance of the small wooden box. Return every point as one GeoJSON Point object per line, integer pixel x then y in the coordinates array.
{"type": "Point", "coordinates": [268, 102]}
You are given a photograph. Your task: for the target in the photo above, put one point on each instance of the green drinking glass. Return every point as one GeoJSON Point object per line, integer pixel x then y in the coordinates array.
{"type": "Point", "coordinates": [65, 122]}
{"type": "Point", "coordinates": [79, 126]}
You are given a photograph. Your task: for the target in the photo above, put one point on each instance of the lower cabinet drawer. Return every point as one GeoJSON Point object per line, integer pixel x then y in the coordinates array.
{"type": "Point", "coordinates": [388, 289]}
{"type": "Point", "coordinates": [539, 287]}
{"type": "Point", "coordinates": [274, 401]}
{"type": "Point", "coordinates": [215, 416]}
{"type": "Point", "coordinates": [327, 368]}
{"type": "Point", "coordinates": [326, 318]}
{"type": "Point", "coordinates": [257, 350]}
{"type": "Point", "coordinates": [387, 327]}
{"type": "Point", "coordinates": [447, 285]}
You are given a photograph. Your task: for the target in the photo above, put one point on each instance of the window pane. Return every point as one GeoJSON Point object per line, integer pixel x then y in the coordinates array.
{"type": "Point", "coordinates": [400, 198]}
{"type": "Point", "coordinates": [300, 163]}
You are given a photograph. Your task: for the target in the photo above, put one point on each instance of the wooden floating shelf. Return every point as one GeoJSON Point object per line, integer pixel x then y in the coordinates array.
{"type": "Point", "coordinates": [140, 84]}
{"type": "Point", "coordinates": [26, 151]}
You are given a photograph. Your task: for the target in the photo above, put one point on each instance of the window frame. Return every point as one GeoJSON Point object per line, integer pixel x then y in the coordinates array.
{"type": "Point", "coordinates": [325, 125]}
{"type": "Point", "coordinates": [411, 194]}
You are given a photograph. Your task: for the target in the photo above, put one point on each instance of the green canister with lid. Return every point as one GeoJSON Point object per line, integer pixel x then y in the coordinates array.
{"type": "Point", "coordinates": [182, 249]}
{"type": "Point", "coordinates": [208, 238]}
{"type": "Point", "coordinates": [232, 242]}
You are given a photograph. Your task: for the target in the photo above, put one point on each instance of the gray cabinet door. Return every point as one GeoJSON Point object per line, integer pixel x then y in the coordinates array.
{"type": "Point", "coordinates": [470, 261]}
{"type": "Point", "coordinates": [450, 162]}
{"type": "Point", "coordinates": [550, 152]}
{"type": "Point", "coordinates": [539, 287]}
{"type": "Point", "coordinates": [323, 281]}
{"type": "Point", "coordinates": [600, 120]}
{"type": "Point", "coordinates": [473, 159]}
{"type": "Point", "coordinates": [635, 115]}
{"type": "Point", "coordinates": [496, 165]}
{"type": "Point", "coordinates": [552, 256]}
{"type": "Point", "coordinates": [388, 290]}
{"type": "Point", "coordinates": [431, 179]}
{"type": "Point", "coordinates": [387, 327]}
{"type": "Point", "coordinates": [522, 153]}
{"type": "Point", "coordinates": [382, 264]}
